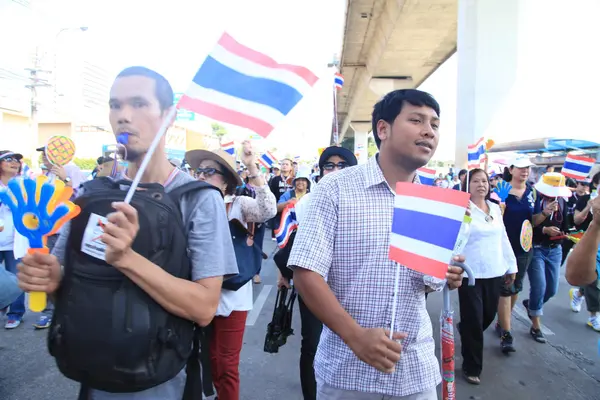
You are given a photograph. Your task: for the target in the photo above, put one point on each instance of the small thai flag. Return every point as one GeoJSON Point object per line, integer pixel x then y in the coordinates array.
{"type": "Point", "coordinates": [426, 176]}
{"type": "Point", "coordinates": [267, 160]}
{"type": "Point", "coordinates": [229, 148]}
{"type": "Point", "coordinates": [338, 80]}
{"type": "Point", "coordinates": [297, 159]}
{"type": "Point", "coordinates": [577, 167]}
{"type": "Point", "coordinates": [287, 225]}
{"type": "Point", "coordinates": [240, 86]}
{"type": "Point", "coordinates": [476, 154]}
{"type": "Point", "coordinates": [425, 227]}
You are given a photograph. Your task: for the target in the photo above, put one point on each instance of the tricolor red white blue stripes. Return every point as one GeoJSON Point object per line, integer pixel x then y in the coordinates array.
{"type": "Point", "coordinates": [338, 80]}
{"type": "Point", "coordinates": [425, 227]}
{"type": "Point", "coordinates": [287, 225]}
{"type": "Point", "coordinates": [476, 154]}
{"type": "Point", "coordinates": [577, 167]}
{"type": "Point", "coordinates": [426, 176]}
{"type": "Point", "coordinates": [267, 160]}
{"type": "Point", "coordinates": [240, 86]}
{"type": "Point", "coordinates": [229, 147]}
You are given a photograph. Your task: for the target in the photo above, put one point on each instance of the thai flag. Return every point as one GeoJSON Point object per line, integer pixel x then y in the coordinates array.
{"type": "Point", "coordinates": [577, 167]}
{"type": "Point", "coordinates": [240, 86]}
{"type": "Point", "coordinates": [425, 227]}
{"type": "Point", "coordinates": [287, 225]}
{"type": "Point", "coordinates": [476, 154]}
{"type": "Point", "coordinates": [426, 176]}
{"type": "Point", "coordinates": [229, 148]}
{"type": "Point", "coordinates": [297, 159]}
{"type": "Point", "coordinates": [267, 160]}
{"type": "Point", "coordinates": [338, 80]}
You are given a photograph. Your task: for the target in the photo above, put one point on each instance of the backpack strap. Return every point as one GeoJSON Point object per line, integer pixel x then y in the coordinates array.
{"type": "Point", "coordinates": [177, 194]}
{"type": "Point", "coordinates": [199, 378]}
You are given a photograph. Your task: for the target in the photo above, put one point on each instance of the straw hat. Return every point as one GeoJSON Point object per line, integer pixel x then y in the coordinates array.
{"type": "Point", "coordinates": [226, 160]}
{"type": "Point", "coordinates": [553, 184]}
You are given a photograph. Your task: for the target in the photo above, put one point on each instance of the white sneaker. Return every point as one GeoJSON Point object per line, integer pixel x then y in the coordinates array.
{"type": "Point", "coordinates": [576, 299]}
{"type": "Point", "coordinates": [594, 323]}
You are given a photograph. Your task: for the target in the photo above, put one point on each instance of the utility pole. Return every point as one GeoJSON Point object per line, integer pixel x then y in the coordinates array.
{"type": "Point", "coordinates": [35, 81]}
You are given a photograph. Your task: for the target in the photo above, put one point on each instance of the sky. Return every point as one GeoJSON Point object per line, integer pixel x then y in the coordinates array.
{"type": "Point", "coordinates": [174, 37]}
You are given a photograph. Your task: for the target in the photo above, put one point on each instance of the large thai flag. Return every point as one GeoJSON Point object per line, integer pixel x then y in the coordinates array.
{"type": "Point", "coordinates": [425, 227]}
{"type": "Point", "coordinates": [240, 86]}
{"type": "Point", "coordinates": [338, 80]}
{"type": "Point", "coordinates": [426, 176]}
{"type": "Point", "coordinates": [229, 147]}
{"type": "Point", "coordinates": [577, 167]}
{"type": "Point", "coordinates": [476, 154]}
{"type": "Point", "coordinates": [267, 160]}
{"type": "Point", "coordinates": [287, 225]}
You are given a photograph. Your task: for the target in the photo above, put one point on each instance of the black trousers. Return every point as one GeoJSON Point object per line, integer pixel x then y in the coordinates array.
{"type": "Point", "coordinates": [311, 333]}
{"type": "Point", "coordinates": [567, 245]}
{"type": "Point", "coordinates": [478, 307]}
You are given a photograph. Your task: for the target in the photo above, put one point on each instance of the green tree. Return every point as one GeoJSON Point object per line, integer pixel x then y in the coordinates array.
{"type": "Point", "coordinates": [218, 130]}
{"type": "Point", "coordinates": [348, 143]}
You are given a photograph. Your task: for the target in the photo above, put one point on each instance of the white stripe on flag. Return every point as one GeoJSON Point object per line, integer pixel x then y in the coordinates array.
{"type": "Point", "coordinates": [250, 68]}
{"type": "Point", "coordinates": [432, 207]}
{"type": "Point", "coordinates": [420, 248]}
{"type": "Point", "coordinates": [256, 110]}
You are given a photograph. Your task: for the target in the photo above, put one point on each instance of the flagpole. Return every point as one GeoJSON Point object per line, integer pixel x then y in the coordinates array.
{"type": "Point", "coordinates": [335, 117]}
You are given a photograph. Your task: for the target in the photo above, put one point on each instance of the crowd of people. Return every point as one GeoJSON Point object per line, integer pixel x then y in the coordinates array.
{"type": "Point", "coordinates": [172, 304]}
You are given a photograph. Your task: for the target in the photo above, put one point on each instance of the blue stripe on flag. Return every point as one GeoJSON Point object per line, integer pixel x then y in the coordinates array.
{"type": "Point", "coordinates": [439, 231]}
{"type": "Point", "coordinates": [219, 77]}
{"type": "Point", "coordinates": [476, 155]}
{"type": "Point", "coordinates": [425, 180]}
{"type": "Point", "coordinates": [573, 166]}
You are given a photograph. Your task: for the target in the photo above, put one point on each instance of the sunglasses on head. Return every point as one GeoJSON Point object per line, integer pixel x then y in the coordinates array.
{"type": "Point", "coordinates": [328, 166]}
{"type": "Point", "coordinates": [208, 172]}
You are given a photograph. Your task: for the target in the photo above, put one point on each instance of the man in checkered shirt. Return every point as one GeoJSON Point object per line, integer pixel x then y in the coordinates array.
{"type": "Point", "coordinates": [345, 237]}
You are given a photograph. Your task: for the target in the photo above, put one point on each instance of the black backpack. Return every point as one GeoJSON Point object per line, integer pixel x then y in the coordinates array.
{"type": "Point", "coordinates": [107, 333]}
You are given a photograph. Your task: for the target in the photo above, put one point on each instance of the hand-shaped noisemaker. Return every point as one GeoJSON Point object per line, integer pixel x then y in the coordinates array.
{"type": "Point", "coordinates": [39, 209]}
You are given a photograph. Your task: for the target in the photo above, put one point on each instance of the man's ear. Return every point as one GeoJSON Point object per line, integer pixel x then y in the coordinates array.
{"type": "Point", "coordinates": [383, 130]}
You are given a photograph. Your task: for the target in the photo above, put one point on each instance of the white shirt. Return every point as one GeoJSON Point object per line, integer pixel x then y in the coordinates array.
{"type": "Point", "coordinates": [301, 207]}
{"type": "Point", "coordinates": [488, 251]}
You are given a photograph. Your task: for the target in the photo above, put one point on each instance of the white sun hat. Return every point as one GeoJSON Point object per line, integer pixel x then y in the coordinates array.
{"type": "Point", "coordinates": [553, 184]}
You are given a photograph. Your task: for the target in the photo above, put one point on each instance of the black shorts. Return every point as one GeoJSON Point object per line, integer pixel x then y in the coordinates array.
{"type": "Point", "coordinates": [523, 261]}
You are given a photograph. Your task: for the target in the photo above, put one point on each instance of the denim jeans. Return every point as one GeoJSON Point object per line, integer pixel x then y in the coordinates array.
{"type": "Point", "coordinates": [543, 272]}
{"type": "Point", "coordinates": [9, 289]}
{"type": "Point", "coordinates": [17, 307]}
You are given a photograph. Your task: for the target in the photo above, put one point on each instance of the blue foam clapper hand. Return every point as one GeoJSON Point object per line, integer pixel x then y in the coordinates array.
{"type": "Point", "coordinates": [22, 208]}
{"type": "Point", "coordinates": [502, 190]}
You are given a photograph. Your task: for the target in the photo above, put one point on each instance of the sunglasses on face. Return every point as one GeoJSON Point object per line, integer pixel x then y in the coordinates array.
{"type": "Point", "coordinates": [10, 159]}
{"type": "Point", "coordinates": [208, 172]}
{"type": "Point", "coordinates": [329, 166]}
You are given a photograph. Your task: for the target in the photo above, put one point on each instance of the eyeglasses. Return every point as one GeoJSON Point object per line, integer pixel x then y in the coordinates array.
{"type": "Point", "coordinates": [9, 159]}
{"type": "Point", "coordinates": [208, 172]}
{"type": "Point", "coordinates": [328, 166]}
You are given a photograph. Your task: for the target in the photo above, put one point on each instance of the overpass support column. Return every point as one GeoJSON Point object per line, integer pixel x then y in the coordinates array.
{"type": "Point", "coordinates": [526, 70]}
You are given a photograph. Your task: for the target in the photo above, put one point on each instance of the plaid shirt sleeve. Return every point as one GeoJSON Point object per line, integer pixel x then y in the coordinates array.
{"type": "Point", "coordinates": [314, 242]}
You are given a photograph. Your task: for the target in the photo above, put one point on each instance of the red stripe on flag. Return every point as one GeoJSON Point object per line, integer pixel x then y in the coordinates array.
{"type": "Point", "coordinates": [477, 144]}
{"type": "Point", "coordinates": [419, 263]}
{"type": "Point", "coordinates": [574, 176]}
{"type": "Point", "coordinates": [449, 196]}
{"type": "Point", "coordinates": [580, 158]}
{"type": "Point", "coordinates": [225, 115]}
{"type": "Point", "coordinates": [427, 170]}
{"type": "Point", "coordinates": [231, 45]}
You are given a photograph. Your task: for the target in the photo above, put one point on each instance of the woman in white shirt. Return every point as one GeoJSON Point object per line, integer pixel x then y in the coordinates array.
{"type": "Point", "coordinates": [10, 166]}
{"type": "Point", "coordinates": [493, 262]}
{"type": "Point", "coordinates": [219, 169]}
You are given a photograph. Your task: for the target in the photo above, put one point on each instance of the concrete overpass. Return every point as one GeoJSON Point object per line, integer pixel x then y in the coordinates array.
{"type": "Point", "coordinates": [388, 45]}
{"type": "Point", "coordinates": [525, 70]}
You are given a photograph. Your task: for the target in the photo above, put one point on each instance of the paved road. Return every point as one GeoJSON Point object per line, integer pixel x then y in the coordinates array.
{"type": "Point", "coordinates": [567, 367]}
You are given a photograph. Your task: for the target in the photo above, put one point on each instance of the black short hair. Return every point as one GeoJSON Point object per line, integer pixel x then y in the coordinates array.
{"type": "Point", "coordinates": [390, 106]}
{"type": "Point", "coordinates": [595, 180]}
{"type": "Point", "coordinates": [163, 89]}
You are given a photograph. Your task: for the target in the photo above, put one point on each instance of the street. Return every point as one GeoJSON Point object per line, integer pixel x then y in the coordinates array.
{"type": "Point", "coordinates": [566, 367]}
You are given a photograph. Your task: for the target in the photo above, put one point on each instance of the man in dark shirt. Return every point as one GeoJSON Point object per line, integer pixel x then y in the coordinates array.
{"type": "Point", "coordinates": [581, 188]}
